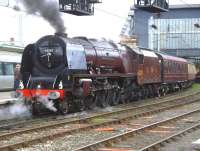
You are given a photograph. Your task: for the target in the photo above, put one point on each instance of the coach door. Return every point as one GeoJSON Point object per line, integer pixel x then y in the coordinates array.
{"type": "Point", "coordinates": [1, 75]}
{"type": "Point", "coordinates": [6, 75]}
{"type": "Point", "coordinates": [9, 75]}
{"type": "Point", "coordinates": [140, 73]}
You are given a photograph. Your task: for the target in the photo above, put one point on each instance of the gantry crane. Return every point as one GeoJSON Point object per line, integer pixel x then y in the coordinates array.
{"type": "Point", "coordinates": [78, 7]}
{"type": "Point", "coordinates": [154, 6]}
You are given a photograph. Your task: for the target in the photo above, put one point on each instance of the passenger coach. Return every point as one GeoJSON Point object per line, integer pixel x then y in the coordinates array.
{"type": "Point", "coordinates": [8, 61]}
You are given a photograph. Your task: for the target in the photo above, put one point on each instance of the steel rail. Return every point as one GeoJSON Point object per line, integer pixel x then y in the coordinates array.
{"type": "Point", "coordinates": [7, 124]}
{"type": "Point", "coordinates": [84, 120]}
{"type": "Point", "coordinates": [162, 142]}
{"type": "Point", "coordinates": [70, 131]}
{"type": "Point", "coordinates": [115, 139]}
{"type": "Point", "coordinates": [28, 121]}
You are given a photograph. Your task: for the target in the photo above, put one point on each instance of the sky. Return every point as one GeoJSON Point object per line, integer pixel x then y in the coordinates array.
{"type": "Point", "coordinates": [107, 22]}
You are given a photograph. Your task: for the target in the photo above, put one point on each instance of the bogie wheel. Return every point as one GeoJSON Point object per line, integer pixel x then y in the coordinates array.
{"type": "Point", "coordinates": [63, 107]}
{"type": "Point", "coordinates": [151, 94]}
{"type": "Point", "coordinates": [113, 97]}
{"type": "Point", "coordinates": [137, 96]}
{"type": "Point", "coordinates": [77, 105]}
{"type": "Point", "coordinates": [89, 102]}
{"type": "Point", "coordinates": [122, 98]}
{"type": "Point", "coordinates": [34, 109]}
{"type": "Point", "coordinates": [116, 97]}
{"type": "Point", "coordinates": [109, 97]}
{"type": "Point", "coordinates": [159, 94]}
{"type": "Point", "coordinates": [101, 97]}
{"type": "Point", "coordinates": [142, 94]}
{"type": "Point", "coordinates": [126, 97]}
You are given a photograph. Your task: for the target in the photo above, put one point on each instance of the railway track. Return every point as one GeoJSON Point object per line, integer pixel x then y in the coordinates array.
{"type": "Point", "coordinates": [26, 137]}
{"type": "Point", "coordinates": [112, 141]}
{"type": "Point", "coordinates": [23, 122]}
{"type": "Point", "coordinates": [159, 144]}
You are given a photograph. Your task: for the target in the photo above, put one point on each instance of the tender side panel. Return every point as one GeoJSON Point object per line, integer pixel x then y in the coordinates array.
{"type": "Point", "coordinates": [151, 68]}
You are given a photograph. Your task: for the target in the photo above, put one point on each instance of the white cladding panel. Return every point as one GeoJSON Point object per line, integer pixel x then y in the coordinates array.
{"type": "Point", "coordinates": [10, 57]}
{"type": "Point", "coordinates": [149, 54]}
{"type": "Point", "coordinates": [4, 2]}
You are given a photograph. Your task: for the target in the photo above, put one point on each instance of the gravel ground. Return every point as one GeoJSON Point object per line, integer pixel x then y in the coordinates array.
{"type": "Point", "coordinates": [158, 133]}
{"type": "Point", "coordinates": [71, 126]}
{"type": "Point", "coordinates": [71, 142]}
{"type": "Point", "coordinates": [184, 143]}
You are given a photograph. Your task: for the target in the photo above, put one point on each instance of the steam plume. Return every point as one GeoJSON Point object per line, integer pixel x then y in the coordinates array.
{"type": "Point", "coordinates": [47, 103]}
{"type": "Point", "coordinates": [17, 110]}
{"type": "Point", "coordinates": [48, 9]}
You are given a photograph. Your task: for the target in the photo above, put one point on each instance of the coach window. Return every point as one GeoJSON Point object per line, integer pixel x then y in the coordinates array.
{"type": "Point", "coordinates": [166, 67]}
{"type": "Point", "coordinates": [141, 59]}
{"type": "Point", "coordinates": [176, 70]}
{"type": "Point", "coordinates": [169, 67]}
{"type": "Point", "coordinates": [1, 69]}
{"type": "Point", "coordinates": [175, 67]}
{"type": "Point", "coordinates": [181, 67]}
{"type": "Point", "coordinates": [8, 69]}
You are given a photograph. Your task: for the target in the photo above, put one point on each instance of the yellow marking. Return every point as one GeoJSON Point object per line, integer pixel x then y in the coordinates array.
{"type": "Point", "coordinates": [114, 149]}
{"type": "Point", "coordinates": [166, 127]}
{"type": "Point", "coordinates": [137, 124]}
{"type": "Point", "coordinates": [148, 117]}
{"type": "Point", "coordinates": [154, 131]}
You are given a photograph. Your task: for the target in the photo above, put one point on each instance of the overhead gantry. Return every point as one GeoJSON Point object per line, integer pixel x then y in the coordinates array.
{"type": "Point", "coordinates": [78, 7]}
{"type": "Point", "coordinates": [154, 6]}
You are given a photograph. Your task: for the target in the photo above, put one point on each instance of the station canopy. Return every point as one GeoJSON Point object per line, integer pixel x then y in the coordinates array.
{"type": "Point", "coordinates": [4, 2]}
{"type": "Point", "coordinates": [78, 7]}
{"type": "Point", "coordinates": [11, 48]}
{"type": "Point", "coordinates": [154, 6]}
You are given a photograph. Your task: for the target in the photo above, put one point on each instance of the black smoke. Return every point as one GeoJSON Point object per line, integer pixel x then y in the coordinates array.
{"type": "Point", "coordinates": [48, 9]}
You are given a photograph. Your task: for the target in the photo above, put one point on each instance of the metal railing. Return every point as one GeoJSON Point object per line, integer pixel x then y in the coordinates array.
{"type": "Point", "coordinates": [155, 3]}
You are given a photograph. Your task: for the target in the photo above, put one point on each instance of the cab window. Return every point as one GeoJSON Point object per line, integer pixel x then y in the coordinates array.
{"type": "Point", "coordinates": [1, 68]}
{"type": "Point", "coordinates": [8, 67]}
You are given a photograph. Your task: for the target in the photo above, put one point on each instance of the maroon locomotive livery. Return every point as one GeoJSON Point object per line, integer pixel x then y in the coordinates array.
{"type": "Point", "coordinates": [82, 73]}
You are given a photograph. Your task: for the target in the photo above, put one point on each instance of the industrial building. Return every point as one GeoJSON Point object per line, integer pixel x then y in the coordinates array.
{"type": "Point", "coordinates": [176, 31]}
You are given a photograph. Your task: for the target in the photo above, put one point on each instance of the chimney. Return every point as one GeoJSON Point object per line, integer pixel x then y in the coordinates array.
{"type": "Point", "coordinates": [64, 35]}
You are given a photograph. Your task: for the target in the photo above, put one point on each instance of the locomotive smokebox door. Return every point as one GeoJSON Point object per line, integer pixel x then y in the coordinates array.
{"type": "Point", "coordinates": [76, 57]}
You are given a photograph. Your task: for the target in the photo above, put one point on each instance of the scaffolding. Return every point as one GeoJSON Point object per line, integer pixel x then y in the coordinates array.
{"type": "Point", "coordinates": [78, 7]}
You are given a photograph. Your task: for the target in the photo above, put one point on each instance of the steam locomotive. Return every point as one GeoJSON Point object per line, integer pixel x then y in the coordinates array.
{"type": "Point", "coordinates": [78, 73]}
